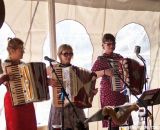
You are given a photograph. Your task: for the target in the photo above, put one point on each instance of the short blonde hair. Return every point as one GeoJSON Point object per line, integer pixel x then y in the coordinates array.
{"type": "Point", "coordinates": [62, 48]}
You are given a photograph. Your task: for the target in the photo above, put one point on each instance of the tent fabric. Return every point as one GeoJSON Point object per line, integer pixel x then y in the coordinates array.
{"type": "Point", "coordinates": [97, 16]}
{"type": "Point", "coordinates": [137, 5]}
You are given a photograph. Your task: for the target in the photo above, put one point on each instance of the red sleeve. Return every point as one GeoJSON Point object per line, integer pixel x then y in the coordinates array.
{"type": "Point", "coordinates": [100, 64]}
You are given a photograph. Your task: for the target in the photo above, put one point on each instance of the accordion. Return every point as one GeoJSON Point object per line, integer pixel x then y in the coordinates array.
{"type": "Point", "coordinates": [133, 75]}
{"type": "Point", "coordinates": [78, 83]}
{"type": "Point", "coordinates": [29, 83]}
{"type": "Point", "coordinates": [129, 71]}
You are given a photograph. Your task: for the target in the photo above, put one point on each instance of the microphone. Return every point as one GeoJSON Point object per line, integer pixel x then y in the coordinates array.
{"type": "Point", "coordinates": [137, 49]}
{"type": "Point", "coordinates": [49, 59]}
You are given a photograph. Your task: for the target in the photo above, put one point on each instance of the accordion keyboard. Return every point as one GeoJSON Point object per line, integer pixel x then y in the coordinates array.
{"type": "Point", "coordinates": [16, 86]}
{"type": "Point", "coordinates": [117, 84]}
{"type": "Point", "coordinates": [57, 89]}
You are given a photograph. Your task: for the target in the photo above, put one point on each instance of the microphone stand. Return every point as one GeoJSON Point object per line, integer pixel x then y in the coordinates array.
{"type": "Point", "coordinates": [145, 80]}
{"type": "Point", "coordinates": [63, 96]}
{"type": "Point", "coordinates": [145, 70]}
{"type": "Point", "coordinates": [138, 99]}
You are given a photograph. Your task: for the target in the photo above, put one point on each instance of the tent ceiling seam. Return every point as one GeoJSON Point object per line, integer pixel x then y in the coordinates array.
{"type": "Point", "coordinates": [104, 23]}
{"type": "Point", "coordinates": [31, 23]}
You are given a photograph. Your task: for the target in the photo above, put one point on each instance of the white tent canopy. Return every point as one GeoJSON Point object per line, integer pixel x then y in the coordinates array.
{"type": "Point", "coordinates": [32, 20]}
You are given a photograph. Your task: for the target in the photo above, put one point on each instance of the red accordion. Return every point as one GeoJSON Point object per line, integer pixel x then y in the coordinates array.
{"type": "Point", "coordinates": [129, 71]}
{"type": "Point", "coordinates": [134, 75]}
